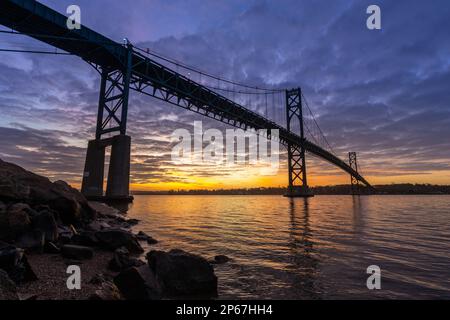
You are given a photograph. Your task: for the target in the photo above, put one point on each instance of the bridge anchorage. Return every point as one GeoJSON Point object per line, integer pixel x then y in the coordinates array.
{"type": "Point", "coordinates": [124, 67]}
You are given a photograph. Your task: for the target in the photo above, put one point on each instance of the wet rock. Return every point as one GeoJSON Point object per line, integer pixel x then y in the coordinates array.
{"type": "Point", "coordinates": [138, 284]}
{"type": "Point", "coordinates": [19, 185]}
{"type": "Point", "coordinates": [220, 259]}
{"type": "Point", "coordinates": [114, 239]}
{"type": "Point", "coordinates": [8, 289]}
{"type": "Point", "coordinates": [108, 291]}
{"type": "Point", "coordinates": [183, 274]}
{"type": "Point", "coordinates": [32, 241]}
{"type": "Point", "coordinates": [145, 237]}
{"type": "Point", "coordinates": [76, 252]}
{"type": "Point", "coordinates": [15, 263]}
{"type": "Point", "coordinates": [122, 260]}
{"type": "Point", "coordinates": [132, 222]}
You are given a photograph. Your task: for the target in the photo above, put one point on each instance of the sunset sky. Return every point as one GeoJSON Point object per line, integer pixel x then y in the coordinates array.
{"type": "Point", "coordinates": [382, 93]}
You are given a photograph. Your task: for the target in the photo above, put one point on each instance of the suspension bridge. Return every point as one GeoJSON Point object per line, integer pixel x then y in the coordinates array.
{"type": "Point", "coordinates": [124, 67]}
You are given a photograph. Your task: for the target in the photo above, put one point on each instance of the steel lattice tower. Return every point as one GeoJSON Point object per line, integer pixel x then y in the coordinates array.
{"type": "Point", "coordinates": [298, 184]}
{"type": "Point", "coordinates": [352, 160]}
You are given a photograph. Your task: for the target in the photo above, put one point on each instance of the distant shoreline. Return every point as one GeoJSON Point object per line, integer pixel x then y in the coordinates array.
{"type": "Point", "coordinates": [394, 189]}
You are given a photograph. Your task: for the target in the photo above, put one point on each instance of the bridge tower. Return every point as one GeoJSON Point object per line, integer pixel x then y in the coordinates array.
{"type": "Point", "coordinates": [353, 181]}
{"type": "Point", "coordinates": [111, 118]}
{"type": "Point", "coordinates": [298, 185]}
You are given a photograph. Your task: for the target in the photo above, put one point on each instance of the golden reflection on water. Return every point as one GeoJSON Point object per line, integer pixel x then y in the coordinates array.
{"type": "Point", "coordinates": [309, 248]}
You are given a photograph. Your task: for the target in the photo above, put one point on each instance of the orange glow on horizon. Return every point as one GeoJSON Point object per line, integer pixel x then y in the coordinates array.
{"type": "Point", "coordinates": [248, 178]}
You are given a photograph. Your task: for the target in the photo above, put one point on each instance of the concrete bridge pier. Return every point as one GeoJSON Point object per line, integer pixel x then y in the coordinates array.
{"type": "Point", "coordinates": [92, 185]}
{"type": "Point", "coordinates": [117, 188]}
{"type": "Point", "coordinates": [119, 168]}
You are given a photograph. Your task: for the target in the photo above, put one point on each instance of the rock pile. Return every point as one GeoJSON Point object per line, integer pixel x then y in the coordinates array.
{"type": "Point", "coordinates": [38, 216]}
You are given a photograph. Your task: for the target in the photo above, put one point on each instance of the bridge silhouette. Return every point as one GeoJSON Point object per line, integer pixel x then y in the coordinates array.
{"type": "Point", "coordinates": [123, 66]}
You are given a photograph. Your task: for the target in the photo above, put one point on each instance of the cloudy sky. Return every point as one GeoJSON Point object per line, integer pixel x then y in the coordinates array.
{"type": "Point", "coordinates": [382, 93]}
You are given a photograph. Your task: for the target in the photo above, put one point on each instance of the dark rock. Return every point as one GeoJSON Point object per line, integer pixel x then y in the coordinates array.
{"type": "Point", "coordinates": [98, 225]}
{"type": "Point", "coordinates": [18, 218]}
{"type": "Point", "coordinates": [19, 185]}
{"type": "Point", "coordinates": [85, 238]}
{"type": "Point", "coordinates": [8, 289]}
{"type": "Point", "coordinates": [76, 252]}
{"type": "Point", "coordinates": [15, 221]}
{"type": "Point", "coordinates": [220, 259]}
{"type": "Point", "coordinates": [132, 222]}
{"type": "Point", "coordinates": [45, 222]}
{"type": "Point", "coordinates": [183, 274]}
{"type": "Point", "coordinates": [65, 234]}
{"type": "Point", "coordinates": [99, 279]}
{"type": "Point", "coordinates": [108, 291]}
{"type": "Point", "coordinates": [145, 237]}
{"type": "Point", "coordinates": [138, 284]}
{"type": "Point", "coordinates": [51, 248]}
{"type": "Point", "coordinates": [122, 260]}
{"type": "Point", "coordinates": [114, 239]}
{"type": "Point", "coordinates": [32, 241]}
{"type": "Point", "coordinates": [15, 263]}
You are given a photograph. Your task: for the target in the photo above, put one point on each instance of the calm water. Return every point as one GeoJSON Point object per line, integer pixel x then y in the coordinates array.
{"type": "Point", "coordinates": [314, 249]}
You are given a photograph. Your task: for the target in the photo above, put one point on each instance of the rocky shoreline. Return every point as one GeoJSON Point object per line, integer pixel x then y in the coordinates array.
{"type": "Point", "coordinates": [45, 227]}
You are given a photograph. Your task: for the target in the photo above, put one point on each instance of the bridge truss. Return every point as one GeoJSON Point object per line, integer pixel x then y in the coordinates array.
{"type": "Point", "coordinates": [123, 67]}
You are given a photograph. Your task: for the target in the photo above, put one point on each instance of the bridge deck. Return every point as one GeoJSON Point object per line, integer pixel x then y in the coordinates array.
{"type": "Point", "coordinates": [40, 22]}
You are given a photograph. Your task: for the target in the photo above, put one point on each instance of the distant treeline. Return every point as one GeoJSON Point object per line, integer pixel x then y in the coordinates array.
{"type": "Point", "coordinates": [325, 190]}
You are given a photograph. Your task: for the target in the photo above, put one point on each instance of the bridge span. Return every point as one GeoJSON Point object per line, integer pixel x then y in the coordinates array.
{"type": "Point", "coordinates": [123, 67]}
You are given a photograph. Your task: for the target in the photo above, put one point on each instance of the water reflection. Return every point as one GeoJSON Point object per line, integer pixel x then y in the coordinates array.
{"type": "Point", "coordinates": [309, 248]}
{"type": "Point", "coordinates": [358, 216]}
{"type": "Point", "coordinates": [303, 263]}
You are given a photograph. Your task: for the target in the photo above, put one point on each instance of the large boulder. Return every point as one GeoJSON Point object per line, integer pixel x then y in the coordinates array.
{"type": "Point", "coordinates": [220, 259]}
{"type": "Point", "coordinates": [14, 220]}
{"type": "Point", "coordinates": [116, 238]}
{"type": "Point", "coordinates": [145, 237]}
{"type": "Point", "coordinates": [31, 241]}
{"type": "Point", "coordinates": [19, 185]}
{"type": "Point", "coordinates": [65, 234]}
{"type": "Point", "coordinates": [85, 238]}
{"type": "Point", "coordinates": [14, 262]}
{"type": "Point", "coordinates": [138, 284]}
{"type": "Point", "coordinates": [45, 222]}
{"type": "Point", "coordinates": [183, 274]}
{"type": "Point", "coordinates": [76, 252]}
{"type": "Point", "coordinates": [122, 260]}
{"type": "Point", "coordinates": [8, 289]}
